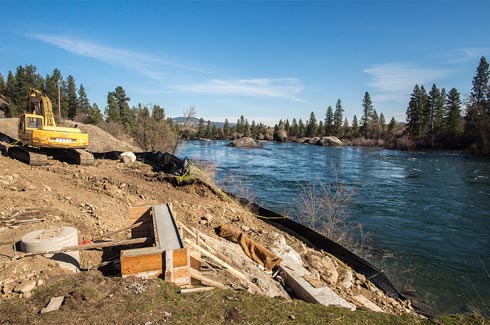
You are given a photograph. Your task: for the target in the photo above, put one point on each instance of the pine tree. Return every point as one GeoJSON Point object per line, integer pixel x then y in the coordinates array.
{"type": "Point", "coordinates": [201, 129]}
{"type": "Point", "coordinates": [157, 113]}
{"type": "Point", "coordinates": [424, 112]}
{"type": "Point", "coordinates": [375, 125]}
{"type": "Point", "coordinates": [209, 131]}
{"type": "Point", "coordinates": [338, 118]}
{"type": "Point", "coordinates": [51, 90]}
{"type": "Point", "coordinates": [72, 97]}
{"type": "Point", "coordinates": [94, 115]}
{"type": "Point", "coordinates": [253, 129]}
{"type": "Point", "coordinates": [301, 128]}
{"type": "Point", "coordinates": [83, 102]}
{"type": "Point", "coordinates": [321, 129]}
{"type": "Point", "coordinates": [112, 110]}
{"type": "Point", "coordinates": [382, 123]}
{"type": "Point", "coordinates": [226, 128]}
{"type": "Point", "coordinates": [355, 127]}
{"type": "Point", "coordinates": [392, 125]}
{"type": "Point", "coordinates": [26, 77]}
{"type": "Point", "coordinates": [144, 127]}
{"type": "Point", "coordinates": [2, 84]}
{"type": "Point", "coordinates": [127, 117]}
{"type": "Point", "coordinates": [10, 85]}
{"type": "Point", "coordinates": [367, 112]}
{"type": "Point", "coordinates": [481, 86]}
{"type": "Point", "coordinates": [329, 121]}
{"type": "Point", "coordinates": [294, 128]}
{"type": "Point", "coordinates": [434, 99]}
{"type": "Point", "coordinates": [413, 113]}
{"type": "Point", "coordinates": [311, 126]}
{"type": "Point", "coordinates": [477, 127]}
{"type": "Point", "coordinates": [453, 119]}
{"type": "Point", "coordinates": [9, 92]}
{"type": "Point", "coordinates": [439, 113]}
{"type": "Point", "coordinates": [345, 128]}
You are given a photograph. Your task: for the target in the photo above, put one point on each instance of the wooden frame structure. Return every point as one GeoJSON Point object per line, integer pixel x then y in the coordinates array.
{"type": "Point", "coordinates": [166, 256]}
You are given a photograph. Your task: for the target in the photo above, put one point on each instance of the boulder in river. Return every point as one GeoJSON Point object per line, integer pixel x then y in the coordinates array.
{"type": "Point", "coordinates": [244, 142]}
{"type": "Point", "coordinates": [329, 141]}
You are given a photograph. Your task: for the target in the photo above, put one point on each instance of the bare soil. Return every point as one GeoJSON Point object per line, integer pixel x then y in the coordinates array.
{"type": "Point", "coordinates": [96, 200]}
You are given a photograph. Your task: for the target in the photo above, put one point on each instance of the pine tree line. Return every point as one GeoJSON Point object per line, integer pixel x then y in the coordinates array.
{"type": "Point", "coordinates": [433, 119]}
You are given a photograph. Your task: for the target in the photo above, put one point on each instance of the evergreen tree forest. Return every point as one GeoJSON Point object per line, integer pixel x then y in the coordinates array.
{"type": "Point", "coordinates": [435, 117]}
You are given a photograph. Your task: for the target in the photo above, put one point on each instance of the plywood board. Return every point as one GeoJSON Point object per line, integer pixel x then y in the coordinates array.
{"type": "Point", "coordinates": [141, 263]}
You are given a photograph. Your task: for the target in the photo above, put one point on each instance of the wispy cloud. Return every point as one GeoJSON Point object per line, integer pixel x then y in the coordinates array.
{"type": "Point", "coordinates": [394, 81]}
{"type": "Point", "coordinates": [147, 65]}
{"type": "Point", "coordinates": [467, 54]}
{"type": "Point", "coordinates": [288, 88]}
{"type": "Point", "coordinates": [159, 69]}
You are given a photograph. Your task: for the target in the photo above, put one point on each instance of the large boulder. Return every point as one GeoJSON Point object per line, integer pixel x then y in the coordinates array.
{"type": "Point", "coordinates": [128, 157]}
{"type": "Point", "coordinates": [244, 142]}
{"type": "Point", "coordinates": [329, 141]}
{"type": "Point", "coordinates": [311, 140]}
{"type": "Point", "coordinates": [280, 136]}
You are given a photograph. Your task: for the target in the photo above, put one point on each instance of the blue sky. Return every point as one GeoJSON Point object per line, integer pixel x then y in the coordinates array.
{"type": "Point", "coordinates": [265, 60]}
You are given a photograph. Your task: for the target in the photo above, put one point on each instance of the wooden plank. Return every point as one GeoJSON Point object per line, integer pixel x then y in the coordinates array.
{"type": "Point", "coordinates": [227, 266]}
{"type": "Point", "coordinates": [181, 257]}
{"type": "Point", "coordinates": [141, 263]}
{"type": "Point", "coordinates": [195, 259]}
{"type": "Point", "coordinates": [141, 214]}
{"type": "Point", "coordinates": [198, 276]}
{"type": "Point", "coordinates": [180, 272]}
{"type": "Point", "coordinates": [192, 290]}
{"type": "Point", "coordinates": [136, 213]}
{"type": "Point", "coordinates": [169, 271]}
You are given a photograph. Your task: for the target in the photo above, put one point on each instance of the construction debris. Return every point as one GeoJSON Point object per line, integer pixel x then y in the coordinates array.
{"type": "Point", "coordinates": [54, 304]}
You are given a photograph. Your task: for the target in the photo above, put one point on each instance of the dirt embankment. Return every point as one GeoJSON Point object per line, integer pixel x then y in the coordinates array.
{"type": "Point", "coordinates": [96, 199]}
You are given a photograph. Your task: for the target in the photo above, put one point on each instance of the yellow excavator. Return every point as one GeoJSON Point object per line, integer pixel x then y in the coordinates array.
{"type": "Point", "coordinates": [39, 137]}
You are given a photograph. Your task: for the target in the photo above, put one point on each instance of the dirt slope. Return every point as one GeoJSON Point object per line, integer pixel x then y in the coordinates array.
{"type": "Point", "coordinates": [96, 200]}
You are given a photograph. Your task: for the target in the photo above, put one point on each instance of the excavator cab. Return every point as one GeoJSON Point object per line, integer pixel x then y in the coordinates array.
{"type": "Point", "coordinates": [29, 121]}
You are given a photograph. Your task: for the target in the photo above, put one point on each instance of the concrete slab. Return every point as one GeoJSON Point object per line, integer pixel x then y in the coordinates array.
{"type": "Point", "coordinates": [294, 276]}
{"type": "Point", "coordinates": [54, 304]}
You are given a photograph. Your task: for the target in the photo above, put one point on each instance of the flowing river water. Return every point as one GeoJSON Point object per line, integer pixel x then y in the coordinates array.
{"type": "Point", "coordinates": [426, 214]}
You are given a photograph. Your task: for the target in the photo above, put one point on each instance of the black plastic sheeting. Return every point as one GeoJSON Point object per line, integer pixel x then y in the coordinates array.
{"type": "Point", "coordinates": [161, 161]}
{"type": "Point", "coordinates": [360, 265]}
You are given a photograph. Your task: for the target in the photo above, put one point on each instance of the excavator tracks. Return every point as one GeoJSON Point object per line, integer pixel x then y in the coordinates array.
{"type": "Point", "coordinates": [74, 156]}
{"type": "Point", "coordinates": [36, 157]}
{"type": "Point", "coordinates": [31, 156]}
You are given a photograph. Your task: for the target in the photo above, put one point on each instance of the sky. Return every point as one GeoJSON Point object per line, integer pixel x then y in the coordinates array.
{"type": "Point", "coordinates": [265, 60]}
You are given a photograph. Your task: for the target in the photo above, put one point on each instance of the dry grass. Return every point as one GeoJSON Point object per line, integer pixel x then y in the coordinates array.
{"type": "Point", "coordinates": [91, 298]}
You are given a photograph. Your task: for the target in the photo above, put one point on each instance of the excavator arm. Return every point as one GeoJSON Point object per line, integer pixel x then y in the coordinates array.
{"type": "Point", "coordinates": [40, 104]}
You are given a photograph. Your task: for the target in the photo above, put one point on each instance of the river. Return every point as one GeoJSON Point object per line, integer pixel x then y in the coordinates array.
{"type": "Point", "coordinates": [426, 214]}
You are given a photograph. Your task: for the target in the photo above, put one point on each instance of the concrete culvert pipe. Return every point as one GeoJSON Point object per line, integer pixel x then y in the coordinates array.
{"type": "Point", "coordinates": [53, 239]}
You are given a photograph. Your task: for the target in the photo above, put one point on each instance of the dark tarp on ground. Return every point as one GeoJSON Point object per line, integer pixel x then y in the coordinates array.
{"type": "Point", "coordinates": [161, 161]}
{"type": "Point", "coordinates": [168, 163]}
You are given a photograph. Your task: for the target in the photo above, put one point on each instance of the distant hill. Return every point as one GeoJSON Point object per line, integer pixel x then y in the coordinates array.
{"type": "Point", "coordinates": [195, 121]}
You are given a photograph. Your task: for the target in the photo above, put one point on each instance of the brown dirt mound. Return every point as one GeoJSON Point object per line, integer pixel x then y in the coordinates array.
{"type": "Point", "coordinates": [99, 140]}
